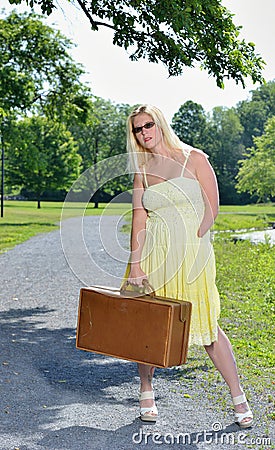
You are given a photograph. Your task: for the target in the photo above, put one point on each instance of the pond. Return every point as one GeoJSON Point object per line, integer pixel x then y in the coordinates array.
{"type": "Point", "coordinates": [257, 236]}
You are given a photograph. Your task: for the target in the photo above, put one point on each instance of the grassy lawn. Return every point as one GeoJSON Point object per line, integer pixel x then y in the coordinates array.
{"type": "Point", "coordinates": [246, 283]}
{"type": "Point", "coordinates": [243, 217]}
{"type": "Point", "coordinates": [254, 209]}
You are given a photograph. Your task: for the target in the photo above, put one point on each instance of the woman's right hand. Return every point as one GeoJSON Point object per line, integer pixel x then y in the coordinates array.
{"type": "Point", "coordinates": [136, 276]}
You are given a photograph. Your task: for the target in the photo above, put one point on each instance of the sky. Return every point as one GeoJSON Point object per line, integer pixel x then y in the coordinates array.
{"type": "Point", "coordinates": [111, 75]}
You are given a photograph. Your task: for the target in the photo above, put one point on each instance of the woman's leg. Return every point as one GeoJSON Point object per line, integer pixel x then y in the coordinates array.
{"type": "Point", "coordinates": [222, 355]}
{"type": "Point", "coordinates": [146, 373]}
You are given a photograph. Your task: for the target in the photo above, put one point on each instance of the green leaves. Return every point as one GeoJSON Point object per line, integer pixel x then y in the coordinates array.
{"type": "Point", "coordinates": [255, 111]}
{"type": "Point", "coordinates": [47, 6]}
{"type": "Point", "coordinates": [102, 136]}
{"type": "Point", "coordinates": [41, 155]}
{"type": "Point", "coordinates": [175, 33]}
{"type": "Point", "coordinates": [189, 123]}
{"type": "Point", "coordinates": [219, 134]}
{"type": "Point", "coordinates": [257, 172]}
{"type": "Point", "coordinates": [35, 65]}
{"type": "Point", "coordinates": [39, 79]}
{"type": "Point", "coordinates": [239, 141]}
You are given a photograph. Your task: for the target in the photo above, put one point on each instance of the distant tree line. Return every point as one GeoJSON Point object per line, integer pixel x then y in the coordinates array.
{"type": "Point", "coordinates": [53, 128]}
{"type": "Point", "coordinates": [240, 142]}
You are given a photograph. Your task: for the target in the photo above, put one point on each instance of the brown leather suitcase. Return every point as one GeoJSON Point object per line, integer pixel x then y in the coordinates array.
{"type": "Point", "coordinates": [147, 329]}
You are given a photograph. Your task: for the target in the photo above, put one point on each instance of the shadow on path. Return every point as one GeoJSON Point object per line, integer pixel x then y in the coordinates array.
{"type": "Point", "coordinates": [41, 371]}
{"type": "Point", "coordinates": [61, 396]}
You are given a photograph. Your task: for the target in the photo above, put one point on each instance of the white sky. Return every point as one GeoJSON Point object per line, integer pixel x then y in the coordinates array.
{"type": "Point", "coordinates": [113, 76]}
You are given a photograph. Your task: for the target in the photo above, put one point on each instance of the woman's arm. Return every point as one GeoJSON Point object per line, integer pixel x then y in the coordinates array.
{"type": "Point", "coordinates": [138, 232]}
{"type": "Point", "coordinates": [209, 186]}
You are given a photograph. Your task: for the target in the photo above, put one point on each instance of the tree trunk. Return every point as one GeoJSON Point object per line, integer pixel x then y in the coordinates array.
{"type": "Point", "coordinates": [96, 205]}
{"type": "Point", "coordinates": [38, 201]}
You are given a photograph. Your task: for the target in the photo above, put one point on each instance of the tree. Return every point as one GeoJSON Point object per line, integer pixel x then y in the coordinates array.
{"type": "Point", "coordinates": [189, 124]}
{"type": "Point", "coordinates": [255, 111]}
{"type": "Point", "coordinates": [175, 33]}
{"type": "Point", "coordinates": [257, 172]}
{"type": "Point", "coordinates": [42, 155]}
{"type": "Point", "coordinates": [37, 76]}
{"type": "Point", "coordinates": [223, 144]}
{"type": "Point", "coordinates": [36, 70]}
{"type": "Point", "coordinates": [219, 135]}
{"type": "Point", "coordinates": [101, 137]}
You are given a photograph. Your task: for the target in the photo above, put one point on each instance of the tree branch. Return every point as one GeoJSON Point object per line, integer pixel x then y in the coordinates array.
{"type": "Point", "coordinates": [91, 20]}
{"type": "Point", "coordinates": [105, 25]}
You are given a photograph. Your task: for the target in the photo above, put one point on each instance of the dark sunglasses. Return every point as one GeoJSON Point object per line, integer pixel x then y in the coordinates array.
{"type": "Point", "coordinates": [147, 126]}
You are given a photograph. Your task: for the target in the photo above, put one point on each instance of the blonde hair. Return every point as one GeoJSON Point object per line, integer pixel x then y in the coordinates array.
{"type": "Point", "coordinates": [138, 155]}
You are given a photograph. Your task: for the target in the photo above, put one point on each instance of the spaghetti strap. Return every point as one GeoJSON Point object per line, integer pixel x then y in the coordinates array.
{"type": "Point", "coordinates": [185, 162]}
{"type": "Point", "coordinates": [145, 177]}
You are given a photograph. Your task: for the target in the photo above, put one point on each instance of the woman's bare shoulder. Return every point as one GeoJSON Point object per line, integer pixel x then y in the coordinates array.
{"type": "Point", "coordinates": [197, 161]}
{"type": "Point", "coordinates": [197, 154]}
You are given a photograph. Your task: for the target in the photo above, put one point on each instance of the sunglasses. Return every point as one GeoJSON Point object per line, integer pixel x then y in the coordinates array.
{"type": "Point", "coordinates": [147, 126]}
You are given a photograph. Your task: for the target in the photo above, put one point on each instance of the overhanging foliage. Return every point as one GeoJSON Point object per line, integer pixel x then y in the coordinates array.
{"type": "Point", "coordinates": [178, 33]}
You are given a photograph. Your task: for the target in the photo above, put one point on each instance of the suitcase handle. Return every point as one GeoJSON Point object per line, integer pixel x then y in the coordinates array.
{"type": "Point", "coordinates": [139, 289]}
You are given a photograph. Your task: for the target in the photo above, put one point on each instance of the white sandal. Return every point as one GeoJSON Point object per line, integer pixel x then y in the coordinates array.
{"type": "Point", "coordinates": [239, 417]}
{"type": "Point", "coordinates": [148, 414]}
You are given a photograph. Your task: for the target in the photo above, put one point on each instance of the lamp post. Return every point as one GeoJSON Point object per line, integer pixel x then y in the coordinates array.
{"type": "Point", "coordinates": [2, 171]}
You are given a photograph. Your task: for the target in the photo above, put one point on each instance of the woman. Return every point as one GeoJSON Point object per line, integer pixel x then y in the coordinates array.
{"type": "Point", "coordinates": [175, 203]}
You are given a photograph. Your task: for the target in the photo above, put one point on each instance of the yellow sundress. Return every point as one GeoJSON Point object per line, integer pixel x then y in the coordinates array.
{"type": "Point", "coordinates": [177, 262]}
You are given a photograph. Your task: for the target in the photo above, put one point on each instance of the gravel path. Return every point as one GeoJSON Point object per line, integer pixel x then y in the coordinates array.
{"type": "Point", "coordinates": [55, 397]}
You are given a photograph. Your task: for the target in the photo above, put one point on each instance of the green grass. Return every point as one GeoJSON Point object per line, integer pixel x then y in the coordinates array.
{"type": "Point", "coordinates": [246, 283]}
{"type": "Point", "coordinates": [247, 288]}
{"type": "Point", "coordinates": [257, 208]}
{"type": "Point", "coordinates": [232, 218]}
{"type": "Point", "coordinates": [234, 222]}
